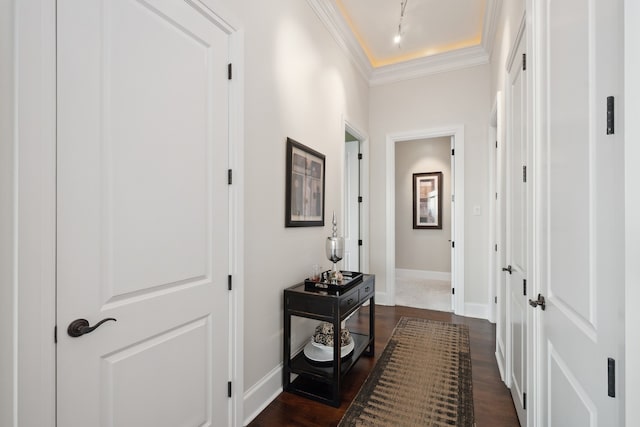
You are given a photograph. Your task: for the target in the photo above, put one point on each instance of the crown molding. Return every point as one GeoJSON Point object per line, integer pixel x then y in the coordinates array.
{"type": "Point", "coordinates": [338, 28]}
{"type": "Point", "coordinates": [448, 61]}
{"type": "Point", "coordinates": [332, 19]}
{"type": "Point", "coordinates": [490, 25]}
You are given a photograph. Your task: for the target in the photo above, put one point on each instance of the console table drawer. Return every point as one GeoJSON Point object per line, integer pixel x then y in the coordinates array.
{"type": "Point", "coordinates": [310, 304]}
{"type": "Point", "coordinates": [349, 301]}
{"type": "Point", "coordinates": [366, 291]}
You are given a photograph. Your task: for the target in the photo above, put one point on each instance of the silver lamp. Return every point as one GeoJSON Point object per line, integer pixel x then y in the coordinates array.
{"type": "Point", "coordinates": [335, 251]}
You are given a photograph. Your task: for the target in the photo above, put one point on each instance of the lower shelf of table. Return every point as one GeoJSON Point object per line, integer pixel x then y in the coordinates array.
{"type": "Point", "coordinates": [301, 366]}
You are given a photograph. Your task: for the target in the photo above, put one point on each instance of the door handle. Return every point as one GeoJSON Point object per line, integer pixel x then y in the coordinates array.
{"type": "Point", "coordinates": [539, 302]}
{"type": "Point", "coordinates": [508, 269]}
{"type": "Point", "coordinates": [79, 327]}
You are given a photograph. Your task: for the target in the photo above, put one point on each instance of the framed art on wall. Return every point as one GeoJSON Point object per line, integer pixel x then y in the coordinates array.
{"type": "Point", "coordinates": [304, 199]}
{"type": "Point", "coordinates": [427, 203]}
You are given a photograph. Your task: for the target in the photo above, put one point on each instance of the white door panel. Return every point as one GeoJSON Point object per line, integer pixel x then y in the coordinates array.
{"type": "Point", "coordinates": [517, 256]}
{"type": "Point", "coordinates": [352, 207]}
{"type": "Point", "coordinates": [142, 214]}
{"type": "Point", "coordinates": [582, 246]}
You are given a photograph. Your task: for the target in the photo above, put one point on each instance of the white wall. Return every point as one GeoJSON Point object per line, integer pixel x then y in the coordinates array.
{"type": "Point", "coordinates": [298, 84]}
{"type": "Point", "coordinates": [511, 13]}
{"type": "Point", "coordinates": [632, 211]}
{"type": "Point", "coordinates": [422, 249]}
{"type": "Point", "coordinates": [458, 97]}
{"type": "Point", "coordinates": [6, 213]}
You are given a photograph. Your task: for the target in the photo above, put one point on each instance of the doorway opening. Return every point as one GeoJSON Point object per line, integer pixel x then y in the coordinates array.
{"type": "Point", "coordinates": [423, 252]}
{"type": "Point", "coordinates": [355, 193]}
{"type": "Point", "coordinates": [456, 136]}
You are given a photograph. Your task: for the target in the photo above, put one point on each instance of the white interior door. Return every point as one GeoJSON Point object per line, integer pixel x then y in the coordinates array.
{"type": "Point", "coordinates": [352, 206]}
{"type": "Point", "coordinates": [582, 215]}
{"type": "Point", "coordinates": [453, 226]}
{"type": "Point", "coordinates": [142, 222]}
{"type": "Point", "coordinates": [500, 249]}
{"type": "Point", "coordinates": [517, 256]}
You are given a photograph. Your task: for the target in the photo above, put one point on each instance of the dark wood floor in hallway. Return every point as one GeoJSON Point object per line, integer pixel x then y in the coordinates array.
{"type": "Point", "coordinates": [493, 406]}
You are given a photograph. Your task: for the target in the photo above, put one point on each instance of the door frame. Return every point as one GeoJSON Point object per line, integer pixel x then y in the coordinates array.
{"type": "Point", "coordinates": [632, 210]}
{"type": "Point", "coordinates": [456, 132]}
{"type": "Point", "coordinates": [363, 140]}
{"type": "Point", "coordinates": [33, 225]}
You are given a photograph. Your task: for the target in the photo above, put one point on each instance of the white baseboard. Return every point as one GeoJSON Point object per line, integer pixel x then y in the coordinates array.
{"type": "Point", "coordinates": [500, 363]}
{"type": "Point", "coordinates": [262, 393]}
{"type": "Point", "coordinates": [382, 298]}
{"type": "Point", "coordinates": [479, 311]}
{"type": "Point", "coordinates": [423, 274]}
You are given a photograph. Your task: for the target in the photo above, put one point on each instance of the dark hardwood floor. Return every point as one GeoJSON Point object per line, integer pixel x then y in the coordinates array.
{"type": "Point", "coordinates": [493, 406]}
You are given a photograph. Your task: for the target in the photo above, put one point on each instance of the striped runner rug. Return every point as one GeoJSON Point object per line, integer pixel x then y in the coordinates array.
{"type": "Point", "coordinates": [423, 378]}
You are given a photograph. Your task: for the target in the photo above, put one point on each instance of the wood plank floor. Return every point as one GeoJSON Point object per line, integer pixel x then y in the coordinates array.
{"type": "Point", "coordinates": [493, 406]}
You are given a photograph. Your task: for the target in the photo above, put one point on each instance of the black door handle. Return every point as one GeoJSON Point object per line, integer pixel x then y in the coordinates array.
{"type": "Point", "coordinates": [508, 269]}
{"type": "Point", "coordinates": [79, 327]}
{"type": "Point", "coordinates": [539, 302]}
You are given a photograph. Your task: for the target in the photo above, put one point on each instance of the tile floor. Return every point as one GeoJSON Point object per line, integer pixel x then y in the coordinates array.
{"type": "Point", "coordinates": [423, 293]}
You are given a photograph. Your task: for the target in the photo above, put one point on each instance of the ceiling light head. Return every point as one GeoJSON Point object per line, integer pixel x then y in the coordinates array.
{"type": "Point", "coordinates": [397, 39]}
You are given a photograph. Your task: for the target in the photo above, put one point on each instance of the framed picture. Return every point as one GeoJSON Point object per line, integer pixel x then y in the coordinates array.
{"type": "Point", "coordinates": [304, 200]}
{"type": "Point", "coordinates": [427, 203]}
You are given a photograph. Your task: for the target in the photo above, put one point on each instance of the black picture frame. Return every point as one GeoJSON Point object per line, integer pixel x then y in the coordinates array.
{"type": "Point", "coordinates": [427, 200]}
{"type": "Point", "coordinates": [304, 197]}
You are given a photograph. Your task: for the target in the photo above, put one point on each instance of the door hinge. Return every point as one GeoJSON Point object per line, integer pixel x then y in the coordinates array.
{"type": "Point", "coordinates": [495, 300]}
{"type": "Point", "coordinates": [453, 291]}
{"type": "Point", "coordinates": [496, 144]}
{"type": "Point", "coordinates": [230, 283]}
{"type": "Point", "coordinates": [359, 242]}
{"type": "Point", "coordinates": [524, 173]}
{"type": "Point", "coordinates": [230, 177]}
{"type": "Point", "coordinates": [524, 287]}
{"type": "Point", "coordinates": [359, 199]}
{"type": "Point", "coordinates": [495, 247]}
{"type": "Point", "coordinates": [496, 195]}
{"type": "Point", "coordinates": [359, 156]}
{"type": "Point", "coordinates": [611, 377]}
{"type": "Point", "coordinates": [524, 62]}
{"type": "Point", "coordinates": [55, 334]}
{"type": "Point", "coordinates": [229, 71]}
{"type": "Point", "coordinates": [453, 151]}
{"type": "Point", "coordinates": [229, 389]}
{"type": "Point", "coordinates": [453, 197]}
{"type": "Point", "coordinates": [453, 244]}
{"type": "Point", "coordinates": [524, 400]}
{"type": "Point", "coordinates": [610, 115]}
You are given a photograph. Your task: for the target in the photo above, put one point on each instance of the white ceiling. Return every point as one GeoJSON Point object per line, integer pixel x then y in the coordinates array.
{"type": "Point", "coordinates": [437, 35]}
{"type": "Point", "coordinates": [428, 27]}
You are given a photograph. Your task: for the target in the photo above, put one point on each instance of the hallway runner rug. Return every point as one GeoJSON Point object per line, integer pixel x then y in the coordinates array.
{"type": "Point", "coordinates": [423, 378]}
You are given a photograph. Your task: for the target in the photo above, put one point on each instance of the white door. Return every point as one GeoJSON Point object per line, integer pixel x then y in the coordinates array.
{"type": "Point", "coordinates": [517, 226]}
{"type": "Point", "coordinates": [142, 223]}
{"type": "Point", "coordinates": [582, 215]}
{"type": "Point", "coordinates": [453, 226]}
{"type": "Point", "coordinates": [500, 250]}
{"type": "Point", "coordinates": [352, 206]}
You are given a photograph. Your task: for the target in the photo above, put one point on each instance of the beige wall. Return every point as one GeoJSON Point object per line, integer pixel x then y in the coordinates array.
{"type": "Point", "coordinates": [298, 84]}
{"type": "Point", "coordinates": [422, 249]}
{"type": "Point", "coordinates": [7, 326]}
{"type": "Point", "coordinates": [458, 97]}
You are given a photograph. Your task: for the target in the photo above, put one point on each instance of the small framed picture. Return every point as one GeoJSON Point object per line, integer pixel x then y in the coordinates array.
{"type": "Point", "coordinates": [304, 200]}
{"type": "Point", "coordinates": [427, 203]}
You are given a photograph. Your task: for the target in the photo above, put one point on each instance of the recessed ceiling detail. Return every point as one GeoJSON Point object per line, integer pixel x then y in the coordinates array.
{"type": "Point", "coordinates": [437, 36]}
{"type": "Point", "coordinates": [429, 27]}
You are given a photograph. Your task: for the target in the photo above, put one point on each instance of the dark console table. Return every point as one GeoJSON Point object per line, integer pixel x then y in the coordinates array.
{"type": "Point", "coordinates": [322, 383]}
